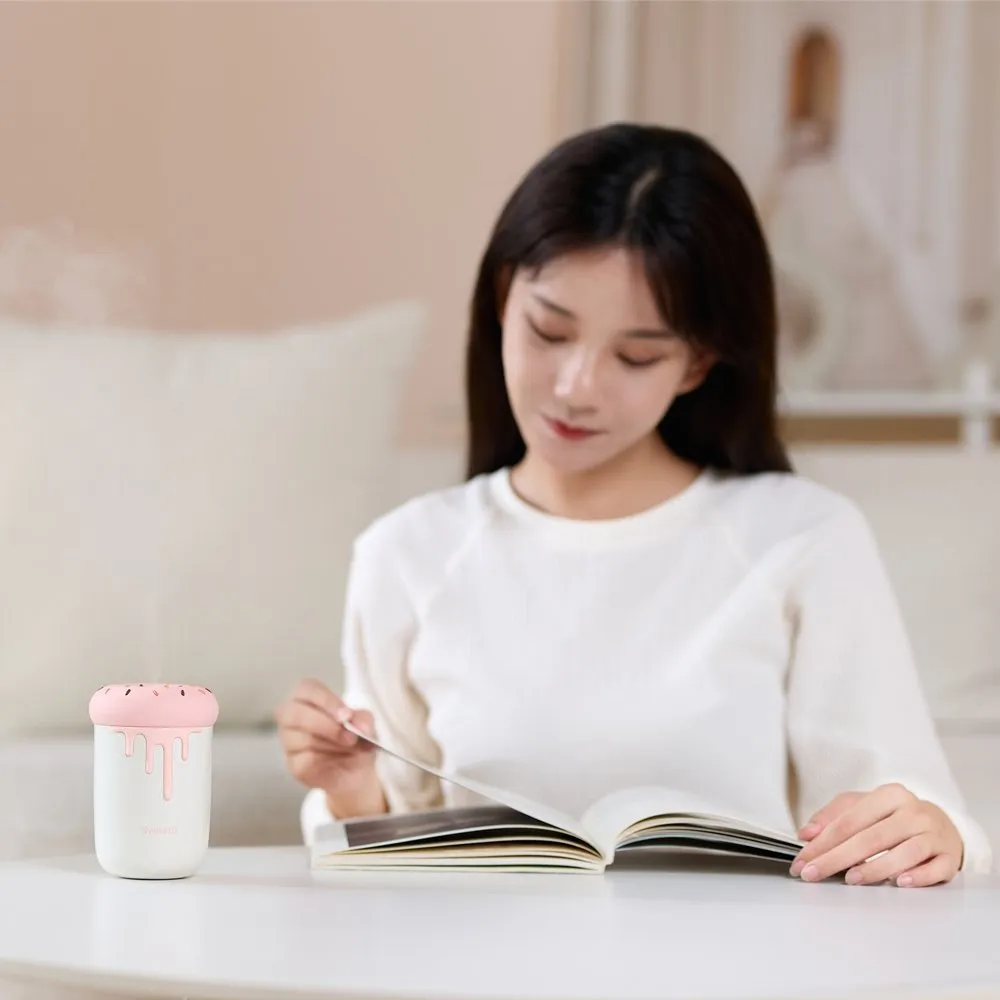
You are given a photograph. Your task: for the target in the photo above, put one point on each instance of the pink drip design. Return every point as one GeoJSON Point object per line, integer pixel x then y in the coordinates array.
{"type": "Point", "coordinates": [159, 738]}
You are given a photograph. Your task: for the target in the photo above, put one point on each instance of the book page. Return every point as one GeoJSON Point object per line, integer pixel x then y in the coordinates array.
{"type": "Point", "coordinates": [536, 810]}
{"type": "Point", "coordinates": [609, 818]}
{"type": "Point", "coordinates": [440, 826]}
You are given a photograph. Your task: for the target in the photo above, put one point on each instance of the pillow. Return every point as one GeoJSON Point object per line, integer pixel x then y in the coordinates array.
{"type": "Point", "coordinates": [934, 513]}
{"type": "Point", "coordinates": [182, 506]}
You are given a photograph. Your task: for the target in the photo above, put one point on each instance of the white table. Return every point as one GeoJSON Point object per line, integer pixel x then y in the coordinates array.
{"type": "Point", "coordinates": [255, 924]}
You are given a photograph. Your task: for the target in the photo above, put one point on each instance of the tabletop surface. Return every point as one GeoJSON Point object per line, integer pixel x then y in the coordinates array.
{"type": "Point", "coordinates": [257, 924]}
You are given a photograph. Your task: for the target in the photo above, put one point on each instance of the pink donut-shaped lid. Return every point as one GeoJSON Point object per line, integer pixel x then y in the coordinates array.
{"type": "Point", "coordinates": [181, 706]}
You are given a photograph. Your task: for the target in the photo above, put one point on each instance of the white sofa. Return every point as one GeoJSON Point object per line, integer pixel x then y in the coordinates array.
{"type": "Point", "coordinates": [182, 507]}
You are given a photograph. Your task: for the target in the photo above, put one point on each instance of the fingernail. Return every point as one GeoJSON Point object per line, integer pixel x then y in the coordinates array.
{"type": "Point", "coordinates": [342, 714]}
{"type": "Point", "coordinates": [904, 880]}
{"type": "Point", "coordinates": [810, 872]}
{"type": "Point", "coordinates": [853, 877]}
{"type": "Point", "coordinates": [796, 868]}
{"type": "Point", "coordinates": [809, 829]}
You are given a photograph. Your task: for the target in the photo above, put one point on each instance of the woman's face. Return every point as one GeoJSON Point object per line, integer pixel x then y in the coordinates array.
{"type": "Point", "coordinates": [590, 366]}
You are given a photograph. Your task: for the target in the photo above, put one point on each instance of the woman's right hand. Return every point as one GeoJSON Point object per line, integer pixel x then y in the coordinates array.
{"type": "Point", "coordinates": [321, 753]}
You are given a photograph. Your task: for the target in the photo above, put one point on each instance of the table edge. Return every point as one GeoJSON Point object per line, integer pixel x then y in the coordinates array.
{"type": "Point", "coordinates": [176, 988]}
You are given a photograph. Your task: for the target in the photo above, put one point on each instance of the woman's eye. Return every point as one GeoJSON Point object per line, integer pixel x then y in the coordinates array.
{"type": "Point", "coordinates": [638, 362]}
{"type": "Point", "coordinates": [549, 338]}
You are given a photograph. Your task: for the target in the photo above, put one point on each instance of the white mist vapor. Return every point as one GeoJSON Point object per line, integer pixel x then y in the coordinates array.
{"type": "Point", "coordinates": [50, 275]}
{"type": "Point", "coordinates": [53, 277]}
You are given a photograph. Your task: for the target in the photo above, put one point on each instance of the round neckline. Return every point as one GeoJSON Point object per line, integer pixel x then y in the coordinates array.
{"type": "Point", "coordinates": [652, 521]}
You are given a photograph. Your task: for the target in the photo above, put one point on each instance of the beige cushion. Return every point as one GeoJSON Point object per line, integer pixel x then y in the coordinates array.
{"type": "Point", "coordinates": [936, 515]}
{"type": "Point", "coordinates": [182, 506]}
{"type": "Point", "coordinates": [47, 784]}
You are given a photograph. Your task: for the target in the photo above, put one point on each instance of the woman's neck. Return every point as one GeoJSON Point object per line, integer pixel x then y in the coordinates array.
{"type": "Point", "coordinates": [646, 475]}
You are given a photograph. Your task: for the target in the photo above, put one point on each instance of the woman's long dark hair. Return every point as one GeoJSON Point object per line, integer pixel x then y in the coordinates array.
{"type": "Point", "coordinates": [670, 196]}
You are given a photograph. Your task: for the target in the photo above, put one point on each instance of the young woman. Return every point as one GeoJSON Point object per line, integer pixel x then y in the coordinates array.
{"type": "Point", "coordinates": [632, 586]}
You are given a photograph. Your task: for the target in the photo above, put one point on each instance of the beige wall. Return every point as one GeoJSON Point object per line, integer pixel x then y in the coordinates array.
{"type": "Point", "coordinates": [248, 165]}
{"type": "Point", "coordinates": [243, 166]}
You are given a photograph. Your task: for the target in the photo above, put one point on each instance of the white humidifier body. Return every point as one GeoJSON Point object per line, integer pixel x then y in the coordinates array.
{"type": "Point", "coordinates": [152, 778]}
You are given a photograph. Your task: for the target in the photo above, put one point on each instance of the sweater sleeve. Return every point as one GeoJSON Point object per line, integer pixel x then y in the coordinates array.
{"type": "Point", "coordinates": [857, 714]}
{"type": "Point", "coordinates": [380, 623]}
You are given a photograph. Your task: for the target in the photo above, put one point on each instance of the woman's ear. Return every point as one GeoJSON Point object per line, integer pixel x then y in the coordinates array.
{"type": "Point", "coordinates": [699, 366]}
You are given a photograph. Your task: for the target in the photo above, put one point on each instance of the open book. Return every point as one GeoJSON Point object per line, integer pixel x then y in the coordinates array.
{"type": "Point", "coordinates": [511, 833]}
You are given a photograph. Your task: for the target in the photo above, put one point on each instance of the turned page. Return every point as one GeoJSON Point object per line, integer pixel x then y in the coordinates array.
{"type": "Point", "coordinates": [610, 817]}
{"type": "Point", "coordinates": [537, 810]}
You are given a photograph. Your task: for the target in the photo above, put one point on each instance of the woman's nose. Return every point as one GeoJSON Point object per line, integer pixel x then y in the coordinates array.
{"type": "Point", "coordinates": [576, 380]}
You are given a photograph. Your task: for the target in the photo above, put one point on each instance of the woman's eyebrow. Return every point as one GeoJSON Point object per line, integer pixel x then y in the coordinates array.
{"type": "Point", "coordinates": [658, 333]}
{"type": "Point", "coordinates": [554, 306]}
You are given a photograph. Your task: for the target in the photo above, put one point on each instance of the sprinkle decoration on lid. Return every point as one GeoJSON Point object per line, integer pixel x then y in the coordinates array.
{"type": "Point", "coordinates": [178, 706]}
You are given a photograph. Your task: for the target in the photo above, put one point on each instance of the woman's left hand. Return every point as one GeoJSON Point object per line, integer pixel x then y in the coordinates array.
{"type": "Point", "coordinates": [915, 842]}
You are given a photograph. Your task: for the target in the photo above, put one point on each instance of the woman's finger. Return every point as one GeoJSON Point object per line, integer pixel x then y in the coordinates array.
{"type": "Point", "coordinates": [828, 813]}
{"type": "Point", "coordinates": [299, 740]}
{"type": "Point", "coordinates": [857, 849]}
{"type": "Point", "coordinates": [309, 718]}
{"type": "Point", "coordinates": [869, 810]}
{"type": "Point", "coordinates": [364, 720]}
{"type": "Point", "coordinates": [941, 868]}
{"type": "Point", "coordinates": [911, 853]}
{"type": "Point", "coordinates": [314, 692]}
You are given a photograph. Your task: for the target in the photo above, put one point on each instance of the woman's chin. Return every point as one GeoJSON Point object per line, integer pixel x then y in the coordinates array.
{"type": "Point", "coordinates": [571, 457]}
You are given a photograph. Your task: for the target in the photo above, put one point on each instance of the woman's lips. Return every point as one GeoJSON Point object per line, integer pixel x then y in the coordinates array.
{"type": "Point", "coordinates": [569, 432]}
